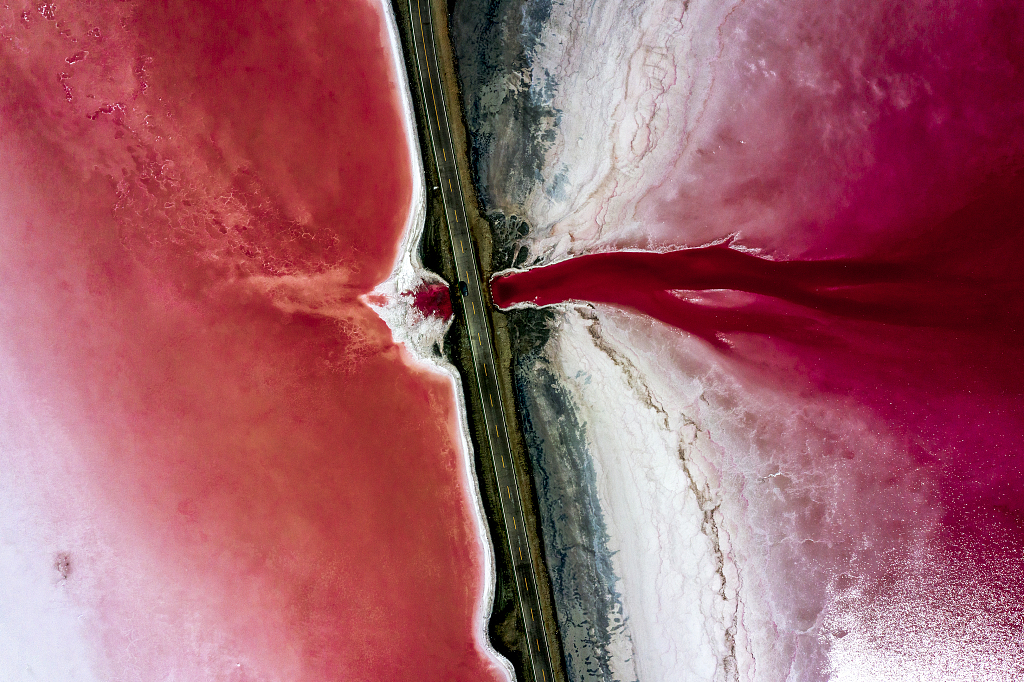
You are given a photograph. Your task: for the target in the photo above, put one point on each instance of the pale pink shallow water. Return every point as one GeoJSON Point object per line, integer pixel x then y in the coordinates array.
{"type": "Point", "coordinates": [878, 212]}
{"type": "Point", "coordinates": [230, 469]}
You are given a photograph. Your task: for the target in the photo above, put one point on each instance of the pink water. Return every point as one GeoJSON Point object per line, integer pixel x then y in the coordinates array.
{"type": "Point", "coordinates": [244, 476]}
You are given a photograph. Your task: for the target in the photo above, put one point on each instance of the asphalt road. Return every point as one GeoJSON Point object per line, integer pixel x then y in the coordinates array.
{"type": "Point", "coordinates": [478, 322]}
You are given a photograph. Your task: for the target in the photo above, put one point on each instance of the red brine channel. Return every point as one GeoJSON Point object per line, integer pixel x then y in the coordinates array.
{"type": "Point", "coordinates": [666, 285]}
{"type": "Point", "coordinates": [928, 336]}
{"type": "Point", "coordinates": [242, 475]}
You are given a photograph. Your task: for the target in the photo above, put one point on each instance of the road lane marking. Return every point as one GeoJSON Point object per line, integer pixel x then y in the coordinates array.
{"type": "Point", "coordinates": [542, 672]}
{"type": "Point", "coordinates": [538, 645]}
{"type": "Point", "coordinates": [463, 246]}
{"type": "Point", "coordinates": [496, 434]}
{"type": "Point", "coordinates": [485, 369]}
{"type": "Point", "coordinates": [433, 97]}
{"type": "Point", "coordinates": [474, 307]}
{"type": "Point", "coordinates": [478, 339]}
{"type": "Point", "coordinates": [491, 398]}
{"type": "Point", "coordinates": [520, 548]}
{"type": "Point", "coordinates": [509, 493]}
{"type": "Point", "coordinates": [527, 583]}
{"type": "Point", "coordinates": [450, 186]}
{"type": "Point", "coordinates": [531, 613]}
{"type": "Point", "coordinates": [516, 527]}
{"type": "Point", "coordinates": [503, 461]}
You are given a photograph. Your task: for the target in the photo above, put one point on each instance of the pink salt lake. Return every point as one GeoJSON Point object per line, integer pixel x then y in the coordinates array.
{"type": "Point", "coordinates": [242, 475]}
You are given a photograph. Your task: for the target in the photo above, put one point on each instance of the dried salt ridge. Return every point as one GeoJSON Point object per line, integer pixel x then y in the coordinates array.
{"type": "Point", "coordinates": [841, 508]}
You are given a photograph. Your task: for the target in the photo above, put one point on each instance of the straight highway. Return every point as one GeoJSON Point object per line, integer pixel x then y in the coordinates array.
{"type": "Point", "coordinates": [478, 323]}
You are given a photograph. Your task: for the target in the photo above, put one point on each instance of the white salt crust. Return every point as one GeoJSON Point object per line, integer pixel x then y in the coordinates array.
{"type": "Point", "coordinates": [632, 83]}
{"type": "Point", "coordinates": [746, 546]}
{"type": "Point", "coordinates": [42, 634]}
{"type": "Point", "coordinates": [666, 565]}
{"type": "Point", "coordinates": [672, 122]}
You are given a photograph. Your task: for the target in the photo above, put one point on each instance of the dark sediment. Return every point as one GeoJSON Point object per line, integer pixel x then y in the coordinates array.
{"type": "Point", "coordinates": [511, 120]}
{"type": "Point", "coordinates": [575, 537]}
